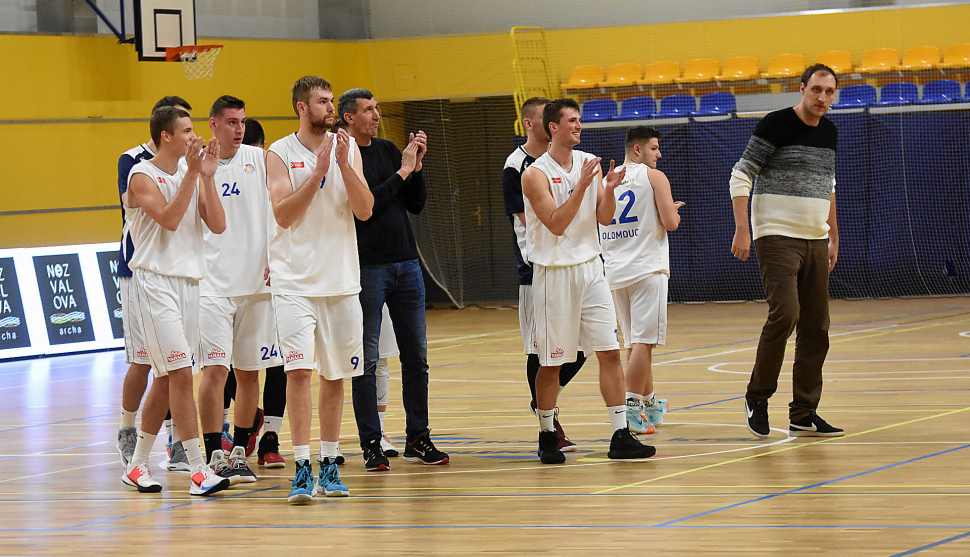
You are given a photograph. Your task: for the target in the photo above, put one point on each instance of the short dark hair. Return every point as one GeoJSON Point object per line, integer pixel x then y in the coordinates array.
{"type": "Point", "coordinates": [303, 86]}
{"type": "Point", "coordinates": [164, 119]}
{"type": "Point", "coordinates": [338, 124]}
{"type": "Point", "coordinates": [553, 112]}
{"type": "Point", "coordinates": [254, 133]}
{"type": "Point", "coordinates": [224, 102]}
{"type": "Point", "coordinates": [638, 135]}
{"type": "Point", "coordinates": [532, 103]}
{"type": "Point", "coordinates": [348, 101]}
{"type": "Point", "coordinates": [814, 69]}
{"type": "Point", "coordinates": [171, 100]}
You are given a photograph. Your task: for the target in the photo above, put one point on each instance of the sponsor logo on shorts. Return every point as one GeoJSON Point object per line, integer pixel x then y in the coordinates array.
{"type": "Point", "coordinates": [216, 353]}
{"type": "Point", "coordinates": [142, 353]}
{"type": "Point", "coordinates": [557, 353]}
{"type": "Point", "coordinates": [249, 169]}
{"type": "Point", "coordinates": [298, 164]}
{"type": "Point", "coordinates": [294, 355]}
{"type": "Point", "coordinates": [176, 356]}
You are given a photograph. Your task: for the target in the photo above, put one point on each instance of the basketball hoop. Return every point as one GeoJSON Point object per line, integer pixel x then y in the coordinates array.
{"type": "Point", "coordinates": [198, 60]}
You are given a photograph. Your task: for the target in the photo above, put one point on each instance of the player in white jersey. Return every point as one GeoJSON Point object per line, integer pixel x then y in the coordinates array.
{"type": "Point", "coordinates": [637, 258]}
{"type": "Point", "coordinates": [564, 201]}
{"type": "Point", "coordinates": [136, 379]}
{"type": "Point", "coordinates": [236, 307]}
{"type": "Point", "coordinates": [167, 202]}
{"type": "Point", "coordinates": [317, 187]}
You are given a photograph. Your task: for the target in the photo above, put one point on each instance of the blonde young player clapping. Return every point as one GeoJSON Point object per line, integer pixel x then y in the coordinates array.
{"type": "Point", "coordinates": [637, 260]}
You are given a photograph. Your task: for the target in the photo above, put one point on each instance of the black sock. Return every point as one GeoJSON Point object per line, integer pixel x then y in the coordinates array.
{"type": "Point", "coordinates": [274, 391]}
{"type": "Point", "coordinates": [531, 370]}
{"type": "Point", "coordinates": [240, 436]}
{"type": "Point", "coordinates": [568, 371]}
{"type": "Point", "coordinates": [213, 442]}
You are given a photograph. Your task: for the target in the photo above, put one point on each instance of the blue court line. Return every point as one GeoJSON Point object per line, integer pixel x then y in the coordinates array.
{"type": "Point", "coordinates": [805, 488]}
{"type": "Point", "coordinates": [932, 545]}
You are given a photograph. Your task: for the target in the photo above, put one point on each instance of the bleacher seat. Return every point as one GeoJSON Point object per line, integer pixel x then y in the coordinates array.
{"type": "Point", "coordinates": [637, 108]}
{"type": "Point", "coordinates": [739, 68]}
{"type": "Point", "coordinates": [599, 110]}
{"type": "Point", "coordinates": [940, 91]}
{"type": "Point", "coordinates": [966, 93]}
{"type": "Point", "coordinates": [660, 73]}
{"type": "Point", "coordinates": [856, 96]}
{"type": "Point", "coordinates": [879, 60]}
{"type": "Point", "coordinates": [785, 65]}
{"type": "Point", "coordinates": [898, 94]}
{"type": "Point", "coordinates": [713, 104]}
{"type": "Point", "coordinates": [920, 58]}
{"type": "Point", "coordinates": [623, 75]}
{"type": "Point", "coordinates": [838, 60]}
{"type": "Point", "coordinates": [676, 106]}
{"type": "Point", "coordinates": [699, 71]}
{"type": "Point", "coordinates": [584, 77]}
{"type": "Point", "coordinates": [956, 56]}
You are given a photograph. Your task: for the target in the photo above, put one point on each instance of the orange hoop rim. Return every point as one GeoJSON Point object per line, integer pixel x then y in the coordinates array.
{"type": "Point", "coordinates": [174, 54]}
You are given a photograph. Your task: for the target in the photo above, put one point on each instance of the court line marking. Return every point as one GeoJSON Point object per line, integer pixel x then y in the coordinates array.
{"type": "Point", "coordinates": [932, 545]}
{"type": "Point", "coordinates": [716, 368]}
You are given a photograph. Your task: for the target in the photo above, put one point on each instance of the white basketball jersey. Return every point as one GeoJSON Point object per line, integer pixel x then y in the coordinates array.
{"type": "Point", "coordinates": [579, 243]}
{"type": "Point", "coordinates": [317, 254]}
{"type": "Point", "coordinates": [236, 259]}
{"type": "Point", "coordinates": [635, 243]}
{"type": "Point", "coordinates": [178, 253]}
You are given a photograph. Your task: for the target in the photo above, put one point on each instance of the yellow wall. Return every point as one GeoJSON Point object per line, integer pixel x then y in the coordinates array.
{"type": "Point", "coordinates": [106, 94]}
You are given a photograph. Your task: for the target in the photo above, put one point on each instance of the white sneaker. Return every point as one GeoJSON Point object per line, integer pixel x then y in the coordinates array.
{"type": "Point", "coordinates": [141, 477]}
{"type": "Point", "coordinates": [389, 449]}
{"type": "Point", "coordinates": [240, 466]}
{"type": "Point", "coordinates": [206, 482]}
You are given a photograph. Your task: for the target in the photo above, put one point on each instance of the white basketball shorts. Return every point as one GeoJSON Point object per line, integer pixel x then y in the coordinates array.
{"type": "Point", "coordinates": [135, 350]}
{"type": "Point", "coordinates": [329, 327]}
{"type": "Point", "coordinates": [526, 321]}
{"type": "Point", "coordinates": [572, 304]}
{"type": "Point", "coordinates": [169, 310]}
{"type": "Point", "coordinates": [387, 343]}
{"type": "Point", "coordinates": [240, 330]}
{"type": "Point", "coordinates": [641, 310]}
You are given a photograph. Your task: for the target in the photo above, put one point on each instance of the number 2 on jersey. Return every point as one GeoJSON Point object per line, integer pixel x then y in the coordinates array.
{"type": "Point", "coordinates": [624, 218]}
{"type": "Point", "coordinates": [228, 190]}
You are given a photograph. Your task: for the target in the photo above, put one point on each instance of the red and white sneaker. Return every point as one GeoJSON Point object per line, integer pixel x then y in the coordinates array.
{"type": "Point", "coordinates": [141, 477]}
{"type": "Point", "coordinates": [268, 454]}
{"type": "Point", "coordinates": [206, 482]}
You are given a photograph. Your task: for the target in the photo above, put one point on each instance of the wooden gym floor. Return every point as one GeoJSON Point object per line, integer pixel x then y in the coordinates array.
{"type": "Point", "coordinates": [897, 380]}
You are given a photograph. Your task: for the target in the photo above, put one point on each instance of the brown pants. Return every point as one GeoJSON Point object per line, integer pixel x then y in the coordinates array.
{"type": "Point", "coordinates": [795, 273]}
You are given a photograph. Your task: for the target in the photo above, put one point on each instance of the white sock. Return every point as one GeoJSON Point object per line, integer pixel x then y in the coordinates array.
{"type": "Point", "coordinates": [547, 420]}
{"type": "Point", "coordinates": [225, 415]}
{"type": "Point", "coordinates": [273, 423]}
{"type": "Point", "coordinates": [617, 417]}
{"type": "Point", "coordinates": [301, 452]}
{"type": "Point", "coordinates": [381, 416]}
{"type": "Point", "coordinates": [174, 432]}
{"type": "Point", "coordinates": [193, 450]}
{"type": "Point", "coordinates": [328, 449]}
{"type": "Point", "coordinates": [128, 418]}
{"type": "Point", "coordinates": [143, 448]}
{"type": "Point", "coordinates": [650, 399]}
{"type": "Point", "coordinates": [634, 396]}
{"type": "Point", "coordinates": [168, 428]}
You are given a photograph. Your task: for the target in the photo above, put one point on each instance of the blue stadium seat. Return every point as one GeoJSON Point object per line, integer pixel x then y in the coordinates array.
{"type": "Point", "coordinates": [898, 94]}
{"type": "Point", "coordinates": [966, 93]}
{"type": "Point", "coordinates": [856, 96]}
{"type": "Point", "coordinates": [940, 91]}
{"type": "Point", "coordinates": [676, 106]}
{"type": "Point", "coordinates": [599, 110]}
{"type": "Point", "coordinates": [713, 104]}
{"type": "Point", "coordinates": [637, 108]}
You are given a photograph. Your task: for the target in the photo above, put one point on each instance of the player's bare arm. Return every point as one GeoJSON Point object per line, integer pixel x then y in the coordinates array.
{"type": "Point", "coordinates": [741, 246]}
{"type": "Point", "coordinates": [167, 213]}
{"type": "Point", "coordinates": [833, 235]}
{"type": "Point", "coordinates": [210, 206]}
{"type": "Point", "coordinates": [290, 204]}
{"type": "Point", "coordinates": [535, 186]}
{"type": "Point", "coordinates": [360, 196]}
{"type": "Point", "coordinates": [605, 196]}
{"type": "Point", "coordinates": [666, 206]}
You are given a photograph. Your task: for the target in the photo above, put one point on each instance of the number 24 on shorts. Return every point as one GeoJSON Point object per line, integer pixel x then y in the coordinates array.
{"type": "Point", "coordinates": [269, 352]}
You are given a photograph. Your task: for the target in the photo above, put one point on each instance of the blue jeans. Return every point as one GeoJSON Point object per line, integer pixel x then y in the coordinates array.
{"type": "Point", "coordinates": [401, 287]}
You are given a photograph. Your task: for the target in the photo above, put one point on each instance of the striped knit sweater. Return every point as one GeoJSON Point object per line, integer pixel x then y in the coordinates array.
{"type": "Point", "coordinates": [788, 168]}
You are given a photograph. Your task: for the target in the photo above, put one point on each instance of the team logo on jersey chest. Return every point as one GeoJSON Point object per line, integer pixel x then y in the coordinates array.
{"type": "Point", "coordinates": [161, 180]}
{"type": "Point", "coordinates": [557, 180]}
{"type": "Point", "coordinates": [296, 164]}
{"type": "Point", "coordinates": [249, 169]}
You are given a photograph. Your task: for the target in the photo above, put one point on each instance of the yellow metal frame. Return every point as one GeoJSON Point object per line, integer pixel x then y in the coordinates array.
{"type": "Point", "coordinates": [530, 65]}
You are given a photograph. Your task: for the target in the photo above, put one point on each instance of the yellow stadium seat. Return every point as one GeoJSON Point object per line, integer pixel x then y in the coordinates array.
{"type": "Point", "coordinates": [658, 73]}
{"type": "Point", "coordinates": [956, 56]}
{"type": "Point", "coordinates": [695, 71]}
{"type": "Point", "coordinates": [785, 65]}
{"type": "Point", "coordinates": [623, 75]}
{"type": "Point", "coordinates": [879, 60]}
{"type": "Point", "coordinates": [584, 77]}
{"type": "Point", "coordinates": [739, 68]}
{"type": "Point", "coordinates": [921, 58]}
{"type": "Point", "coordinates": [838, 60]}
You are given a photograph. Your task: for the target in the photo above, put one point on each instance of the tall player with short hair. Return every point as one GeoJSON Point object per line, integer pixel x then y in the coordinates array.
{"type": "Point", "coordinates": [317, 188]}
{"type": "Point", "coordinates": [565, 200]}
{"type": "Point", "coordinates": [637, 258]}
{"type": "Point", "coordinates": [167, 204]}
{"type": "Point", "coordinates": [236, 307]}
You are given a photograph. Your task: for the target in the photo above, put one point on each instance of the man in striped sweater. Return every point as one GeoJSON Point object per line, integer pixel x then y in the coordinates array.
{"type": "Point", "coordinates": [788, 170]}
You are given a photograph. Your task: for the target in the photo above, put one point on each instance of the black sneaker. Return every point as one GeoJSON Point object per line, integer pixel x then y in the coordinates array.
{"type": "Point", "coordinates": [422, 450]}
{"type": "Point", "coordinates": [374, 459]}
{"type": "Point", "coordinates": [549, 452]}
{"type": "Point", "coordinates": [624, 445]}
{"type": "Point", "coordinates": [756, 416]}
{"type": "Point", "coordinates": [813, 426]}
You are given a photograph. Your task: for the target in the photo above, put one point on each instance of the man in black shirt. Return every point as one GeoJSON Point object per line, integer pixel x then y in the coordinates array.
{"type": "Point", "coordinates": [390, 273]}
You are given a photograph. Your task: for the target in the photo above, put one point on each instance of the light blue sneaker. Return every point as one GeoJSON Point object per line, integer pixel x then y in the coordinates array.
{"type": "Point", "coordinates": [635, 419]}
{"type": "Point", "coordinates": [655, 412]}
{"type": "Point", "coordinates": [303, 488]}
{"type": "Point", "coordinates": [330, 480]}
